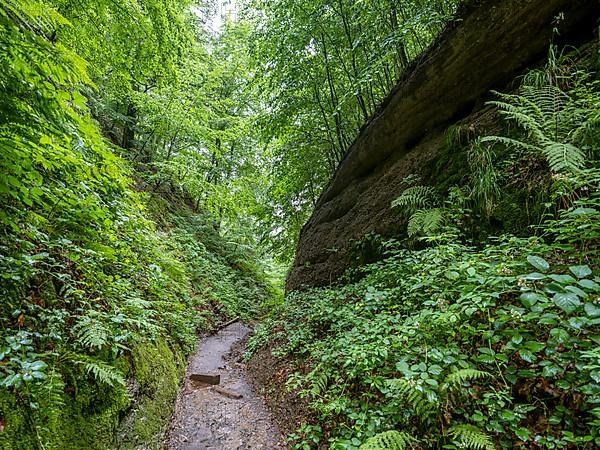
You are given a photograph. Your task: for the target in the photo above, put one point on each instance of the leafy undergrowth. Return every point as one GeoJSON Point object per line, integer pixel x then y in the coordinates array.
{"type": "Point", "coordinates": [99, 307]}
{"type": "Point", "coordinates": [453, 346]}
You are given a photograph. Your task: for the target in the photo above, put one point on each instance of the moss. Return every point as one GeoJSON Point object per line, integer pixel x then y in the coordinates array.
{"type": "Point", "coordinates": [87, 418]}
{"type": "Point", "coordinates": [15, 434]}
{"type": "Point", "coordinates": [158, 370]}
{"type": "Point", "coordinates": [91, 415]}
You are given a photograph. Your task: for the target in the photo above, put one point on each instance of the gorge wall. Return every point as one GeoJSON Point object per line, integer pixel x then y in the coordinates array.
{"type": "Point", "coordinates": [489, 43]}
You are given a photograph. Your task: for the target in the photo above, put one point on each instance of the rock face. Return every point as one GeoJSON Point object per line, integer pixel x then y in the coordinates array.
{"type": "Point", "coordinates": [493, 41]}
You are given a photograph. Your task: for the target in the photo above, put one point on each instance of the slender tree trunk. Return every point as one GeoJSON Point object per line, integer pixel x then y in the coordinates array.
{"type": "Point", "coordinates": [402, 60]}
{"type": "Point", "coordinates": [129, 126]}
{"type": "Point", "coordinates": [333, 95]}
{"type": "Point", "coordinates": [348, 33]}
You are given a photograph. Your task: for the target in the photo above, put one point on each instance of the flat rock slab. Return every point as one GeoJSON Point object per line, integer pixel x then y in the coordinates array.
{"type": "Point", "coordinates": [205, 378]}
{"type": "Point", "coordinates": [229, 416]}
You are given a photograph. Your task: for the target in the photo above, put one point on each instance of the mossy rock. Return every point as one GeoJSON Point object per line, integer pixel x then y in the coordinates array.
{"type": "Point", "coordinates": [100, 417]}
{"type": "Point", "coordinates": [157, 370]}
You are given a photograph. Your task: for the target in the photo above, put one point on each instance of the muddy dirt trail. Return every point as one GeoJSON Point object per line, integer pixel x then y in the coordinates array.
{"type": "Point", "coordinates": [206, 419]}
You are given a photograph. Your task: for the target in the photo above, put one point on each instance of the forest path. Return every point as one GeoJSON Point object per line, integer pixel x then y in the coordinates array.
{"type": "Point", "coordinates": [205, 419]}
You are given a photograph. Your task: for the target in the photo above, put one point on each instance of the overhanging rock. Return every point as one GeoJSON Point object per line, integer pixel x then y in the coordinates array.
{"type": "Point", "coordinates": [493, 41]}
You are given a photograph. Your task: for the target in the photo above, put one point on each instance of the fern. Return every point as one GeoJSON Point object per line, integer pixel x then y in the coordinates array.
{"type": "Point", "coordinates": [50, 402]}
{"type": "Point", "coordinates": [319, 381]}
{"type": "Point", "coordinates": [553, 125]}
{"type": "Point", "coordinates": [425, 221]}
{"type": "Point", "coordinates": [389, 440]}
{"type": "Point", "coordinates": [469, 436]}
{"type": "Point", "coordinates": [564, 157]}
{"type": "Point", "coordinates": [413, 396]}
{"type": "Point", "coordinates": [91, 332]}
{"type": "Point", "coordinates": [101, 371]}
{"type": "Point", "coordinates": [458, 378]}
{"type": "Point", "coordinates": [416, 197]}
{"type": "Point", "coordinates": [420, 202]}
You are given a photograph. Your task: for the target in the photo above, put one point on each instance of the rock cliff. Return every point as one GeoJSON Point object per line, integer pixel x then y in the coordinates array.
{"type": "Point", "coordinates": [489, 43]}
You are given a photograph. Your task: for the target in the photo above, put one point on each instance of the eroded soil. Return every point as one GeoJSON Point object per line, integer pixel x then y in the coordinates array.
{"type": "Point", "coordinates": [205, 419]}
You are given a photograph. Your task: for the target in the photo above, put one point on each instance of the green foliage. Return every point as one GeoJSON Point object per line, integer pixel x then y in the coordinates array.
{"type": "Point", "coordinates": [517, 178]}
{"type": "Point", "coordinates": [388, 440]}
{"type": "Point", "coordinates": [425, 221]}
{"type": "Point", "coordinates": [485, 189]}
{"type": "Point", "coordinates": [470, 436]}
{"type": "Point", "coordinates": [102, 372]}
{"type": "Point", "coordinates": [554, 126]}
{"type": "Point", "coordinates": [323, 68]}
{"type": "Point", "coordinates": [416, 197]}
{"type": "Point", "coordinates": [456, 346]}
{"type": "Point", "coordinates": [418, 203]}
{"type": "Point", "coordinates": [84, 273]}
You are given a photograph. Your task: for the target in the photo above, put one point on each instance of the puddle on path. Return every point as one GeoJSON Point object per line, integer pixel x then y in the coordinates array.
{"type": "Point", "coordinates": [205, 419]}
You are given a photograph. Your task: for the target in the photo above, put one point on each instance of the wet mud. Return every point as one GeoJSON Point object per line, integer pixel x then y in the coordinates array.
{"type": "Point", "coordinates": [206, 417]}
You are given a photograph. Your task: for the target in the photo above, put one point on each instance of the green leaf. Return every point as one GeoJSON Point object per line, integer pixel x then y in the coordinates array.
{"type": "Point", "coordinates": [431, 382]}
{"type": "Point", "coordinates": [517, 338]}
{"type": "Point", "coordinates": [577, 291]}
{"type": "Point", "coordinates": [559, 335]}
{"type": "Point", "coordinates": [580, 271]}
{"type": "Point", "coordinates": [522, 433]}
{"type": "Point", "coordinates": [534, 276]}
{"type": "Point", "coordinates": [591, 310]}
{"type": "Point", "coordinates": [527, 355]}
{"type": "Point", "coordinates": [539, 263]}
{"type": "Point", "coordinates": [38, 365]}
{"type": "Point", "coordinates": [550, 371]}
{"type": "Point", "coordinates": [549, 319]}
{"type": "Point", "coordinates": [452, 275]}
{"type": "Point", "coordinates": [589, 284]}
{"type": "Point", "coordinates": [529, 299]}
{"type": "Point", "coordinates": [403, 367]}
{"type": "Point", "coordinates": [562, 279]}
{"type": "Point", "coordinates": [535, 346]}
{"type": "Point", "coordinates": [568, 301]}
{"type": "Point", "coordinates": [554, 288]}
{"type": "Point", "coordinates": [435, 369]}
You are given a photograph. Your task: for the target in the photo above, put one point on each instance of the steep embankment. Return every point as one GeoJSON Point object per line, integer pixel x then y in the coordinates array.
{"type": "Point", "coordinates": [491, 43]}
{"type": "Point", "coordinates": [100, 304]}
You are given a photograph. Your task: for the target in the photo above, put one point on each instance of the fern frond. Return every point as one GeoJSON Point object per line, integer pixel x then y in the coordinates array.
{"type": "Point", "coordinates": [549, 100]}
{"type": "Point", "coordinates": [458, 378]}
{"type": "Point", "coordinates": [416, 197]}
{"type": "Point", "coordinates": [51, 395]}
{"type": "Point", "coordinates": [389, 440]}
{"type": "Point", "coordinates": [319, 381]}
{"type": "Point", "coordinates": [413, 397]}
{"type": "Point", "coordinates": [527, 117]}
{"type": "Point", "coordinates": [469, 436]}
{"type": "Point", "coordinates": [101, 371]}
{"type": "Point", "coordinates": [509, 142]}
{"type": "Point", "coordinates": [564, 157]}
{"type": "Point", "coordinates": [91, 332]}
{"type": "Point", "coordinates": [425, 221]}
{"type": "Point", "coordinates": [552, 121]}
